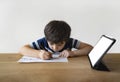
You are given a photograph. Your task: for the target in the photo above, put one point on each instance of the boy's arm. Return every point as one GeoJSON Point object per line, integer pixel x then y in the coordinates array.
{"type": "Point", "coordinates": [83, 49]}
{"type": "Point", "coordinates": [28, 51]}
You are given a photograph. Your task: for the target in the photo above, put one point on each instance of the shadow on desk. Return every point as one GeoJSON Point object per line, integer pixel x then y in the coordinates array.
{"type": "Point", "coordinates": [113, 62]}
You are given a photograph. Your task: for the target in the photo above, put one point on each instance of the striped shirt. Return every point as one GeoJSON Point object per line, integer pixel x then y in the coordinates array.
{"type": "Point", "coordinates": [42, 44]}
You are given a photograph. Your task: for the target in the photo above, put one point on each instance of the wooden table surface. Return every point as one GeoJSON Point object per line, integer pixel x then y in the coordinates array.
{"type": "Point", "coordinates": [76, 70]}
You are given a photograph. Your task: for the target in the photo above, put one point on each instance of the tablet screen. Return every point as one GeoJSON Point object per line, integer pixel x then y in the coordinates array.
{"type": "Point", "coordinates": [99, 49]}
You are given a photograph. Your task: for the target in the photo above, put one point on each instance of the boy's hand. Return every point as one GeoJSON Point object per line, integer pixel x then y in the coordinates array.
{"type": "Point", "coordinates": [45, 55]}
{"type": "Point", "coordinates": [66, 53]}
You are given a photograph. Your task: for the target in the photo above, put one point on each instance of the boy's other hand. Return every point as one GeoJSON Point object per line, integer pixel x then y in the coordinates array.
{"type": "Point", "coordinates": [66, 53]}
{"type": "Point", "coordinates": [45, 55]}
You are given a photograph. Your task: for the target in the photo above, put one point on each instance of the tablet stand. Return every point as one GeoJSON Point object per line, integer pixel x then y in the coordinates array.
{"type": "Point", "coordinates": [101, 66]}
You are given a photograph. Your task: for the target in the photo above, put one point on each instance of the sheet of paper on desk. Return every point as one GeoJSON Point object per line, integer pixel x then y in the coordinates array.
{"type": "Point", "coordinates": [26, 59]}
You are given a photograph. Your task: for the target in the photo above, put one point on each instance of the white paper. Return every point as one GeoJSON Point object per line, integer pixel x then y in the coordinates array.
{"type": "Point", "coordinates": [56, 58]}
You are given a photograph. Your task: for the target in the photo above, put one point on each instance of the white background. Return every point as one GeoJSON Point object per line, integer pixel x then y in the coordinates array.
{"type": "Point", "coordinates": [23, 21]}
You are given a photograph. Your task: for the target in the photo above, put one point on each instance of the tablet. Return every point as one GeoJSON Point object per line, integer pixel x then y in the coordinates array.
{"type": "Point", "coordinates": [98, 52]}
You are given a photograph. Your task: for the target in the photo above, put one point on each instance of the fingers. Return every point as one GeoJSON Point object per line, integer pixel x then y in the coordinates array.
{"type": "Point", "coordinates": [50, 54]}
{"type": "Point", "coordinates": [64, 54]}
{"type": "Point", "coordinates": [45, 55]}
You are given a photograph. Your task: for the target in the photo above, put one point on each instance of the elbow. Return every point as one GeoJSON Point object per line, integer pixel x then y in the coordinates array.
{"type": "Point", "coordinates": [22, 49]}
{"type": "Point", "coordinates": [90, 48]}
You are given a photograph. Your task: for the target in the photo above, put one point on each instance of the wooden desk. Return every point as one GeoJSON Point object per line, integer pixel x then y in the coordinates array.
{"type": "Point", "coordinates": [76, 70]}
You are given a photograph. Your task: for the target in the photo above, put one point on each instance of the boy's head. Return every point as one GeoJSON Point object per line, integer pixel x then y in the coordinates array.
{"type": "Point", "coordinates": [57, 31]}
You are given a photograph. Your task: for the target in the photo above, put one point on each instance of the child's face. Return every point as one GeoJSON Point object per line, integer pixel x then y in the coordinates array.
{"type": "Point", "coordinates": [56, 47]}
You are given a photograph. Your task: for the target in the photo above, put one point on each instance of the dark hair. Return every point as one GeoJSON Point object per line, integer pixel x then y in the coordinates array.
{"type": "Point", "coordinates": [57, 31]}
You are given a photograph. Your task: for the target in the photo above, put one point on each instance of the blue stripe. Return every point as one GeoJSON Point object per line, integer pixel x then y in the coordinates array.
{"type": "Point", "coordinates": [75, 43]}
{"type": "Point", "coordinates": [34, 45]}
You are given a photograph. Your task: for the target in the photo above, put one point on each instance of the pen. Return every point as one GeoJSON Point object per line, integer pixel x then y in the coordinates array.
{"type": "Point", "coordinates": [43, 48]}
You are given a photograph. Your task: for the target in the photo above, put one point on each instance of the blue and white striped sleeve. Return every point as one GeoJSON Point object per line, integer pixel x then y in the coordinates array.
{"type": "Point", "coordinates": [75, 43]}
{"type": "Point", "coordinates": [35, 45]}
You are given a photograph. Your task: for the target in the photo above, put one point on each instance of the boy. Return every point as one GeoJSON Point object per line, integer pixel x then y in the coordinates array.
{"type": "Point", "coordinates": [57, 39]}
